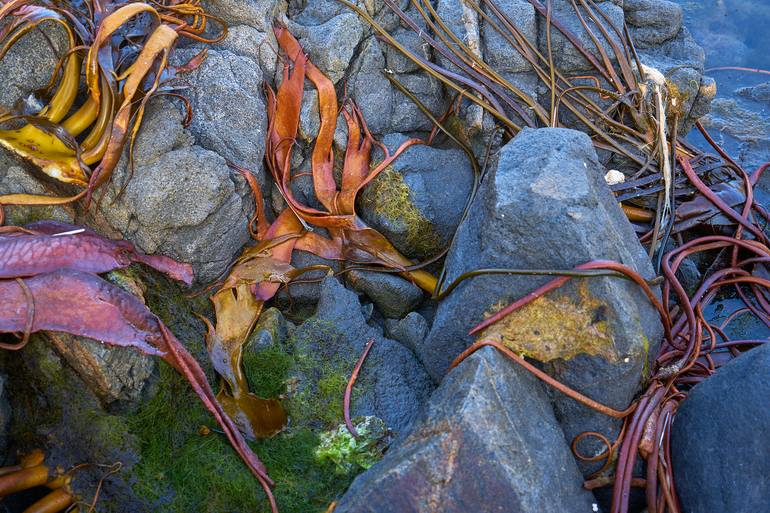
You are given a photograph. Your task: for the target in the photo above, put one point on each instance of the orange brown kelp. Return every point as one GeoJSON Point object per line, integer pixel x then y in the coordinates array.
{"type": "Point", "coordinates": [261, 269]}
{"type": "Point", "coordinates": [117, 55]}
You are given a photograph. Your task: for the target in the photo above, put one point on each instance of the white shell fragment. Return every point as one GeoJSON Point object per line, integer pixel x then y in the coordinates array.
{"type": "Point", "coordinates": [614, 177]}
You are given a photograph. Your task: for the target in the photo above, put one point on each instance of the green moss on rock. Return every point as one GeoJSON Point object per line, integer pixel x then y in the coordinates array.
{"type": "Point", "coordinates": [389, 200]}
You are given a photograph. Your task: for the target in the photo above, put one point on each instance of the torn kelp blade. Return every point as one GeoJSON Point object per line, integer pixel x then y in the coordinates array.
{"type": "Point", "coordinates": [81, 304]}
{"type": "Point", "coordinates": [47, 246]}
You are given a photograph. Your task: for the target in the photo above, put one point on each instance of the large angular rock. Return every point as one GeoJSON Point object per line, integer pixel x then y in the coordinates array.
{"type": "Point", "coordinates": [181, 200]}
{"type": "Point", "coordinates": [487, 441]}
{"type": "Point", "coordinates": [418, 201]}
{"type": "Point", "coordinates": [332, 44]}
{"type": "Point", "coordinates": [546, 206]}
{"type": "Point", "coordinates": [392, 385]}
{"type": "Point", "coordinates": [720, 440]}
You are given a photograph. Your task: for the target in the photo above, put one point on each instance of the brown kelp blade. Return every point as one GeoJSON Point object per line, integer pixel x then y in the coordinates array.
{"type": "Point", "coordinates": [83, 304]}
{"type": "Point", "coordinates": [237, 311]}
{"type": "Point", "coordinates": [46, 246]}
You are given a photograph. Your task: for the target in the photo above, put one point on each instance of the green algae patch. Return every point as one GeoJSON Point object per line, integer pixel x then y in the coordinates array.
{"type": "Point", "coordinates": [557, 326]}
{"type": "Point", "coordinates": [187, 465]}
{"type": "Point", "coordinates": [348, 453]}
{"type": "Point", "coordinates": [389, 199]}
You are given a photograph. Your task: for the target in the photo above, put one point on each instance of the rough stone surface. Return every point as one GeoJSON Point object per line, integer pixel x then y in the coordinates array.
{"type": "Point", "coordinates": [498, 52]}
{"type": "Point", "coordinates": [651, 22]}
{"type": "Point", "coordinates": [182, 200]}
{"type": "Point", "coordinates": [386, 109]}
{"type": "Point", "coordinates": [29, 64]}
{"type": "Point", "coordinates": [392, 384]}
{"type": "Point", "coordinates": [720, 439]}
{"type": "Point", "coordinates": [488, 441]}
{"type": "Point", "coordinates": [410, 331]}
{"type": "Point", "coordinates": [254, 13]}
{"type": "Point", "coordinates": [393, 295]}
{"type": "Point", "coordinates": [115, 375]}
{"type": "Point", "coordinates": [417, 203]}
{"type": "Point", "coordinates": [332, 44]}
{"type": "Point", "coordinates": [229, 114]}
{"type": "Point", "coordinates": [247, 41]}
{"type": "Point", "coordinates": [547, 207]}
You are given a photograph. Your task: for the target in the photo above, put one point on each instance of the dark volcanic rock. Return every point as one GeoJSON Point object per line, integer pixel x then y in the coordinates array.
{"type": "Point", "coordinates": [410, 331]}
{"type": "Point", "coordinates": [393, 295]}
{"type": "Point", "coordinates": [488, 441]}
{"type": "Point", "coordinates": [392, 384]}
{"type": "Point", "coordinates": [547, 207]}
{"type": "Point", "coordinates": [720, 440]}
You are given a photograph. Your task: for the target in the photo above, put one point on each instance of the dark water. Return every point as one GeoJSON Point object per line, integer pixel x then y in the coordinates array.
{"type": "Point", "coordinates": [735, 33]}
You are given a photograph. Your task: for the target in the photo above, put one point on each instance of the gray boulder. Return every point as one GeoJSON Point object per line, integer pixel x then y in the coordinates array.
{"type": "Point", "coordinates": [392, 384]}
{"type": "Point", "coordinates": [418, 201]}
{"type": "Point", "coordinates": [567, 57]}
{"type": "Point", "coordinates": [487, 441]}
{"type": "Point", "coordinates": [181, 200]}
{"type": "Point", "coordinates": [229, 116]}
{"type": "Point", "coordinates": [498, 52]}
{"type": "Point", "coordinates": [393, 295]}
{"type": "Point", "coordinates": [720, 440]}
{"type": "Point", "coordinates": [332, 44]}
{"type": "Point", "coordinates": [253, 13]}
{"type": "Point", "coordinates": [546, 206]}
{"type": "Point", "coordinates": [651, 22]}
{"type": "Point", "coordinates": [385, 109]}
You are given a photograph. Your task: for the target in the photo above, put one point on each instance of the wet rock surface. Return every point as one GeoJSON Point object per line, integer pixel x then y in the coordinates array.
{"type": "Point", "coordinates": [717, 463]}
{"type": "Point", "coordinates": [547, 207]}
{"type": "Point", "coordinates": [456, 458]}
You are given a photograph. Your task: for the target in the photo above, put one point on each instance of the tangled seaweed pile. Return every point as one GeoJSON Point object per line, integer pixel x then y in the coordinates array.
{"type": "Point", "coordinates": [669, 190]}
